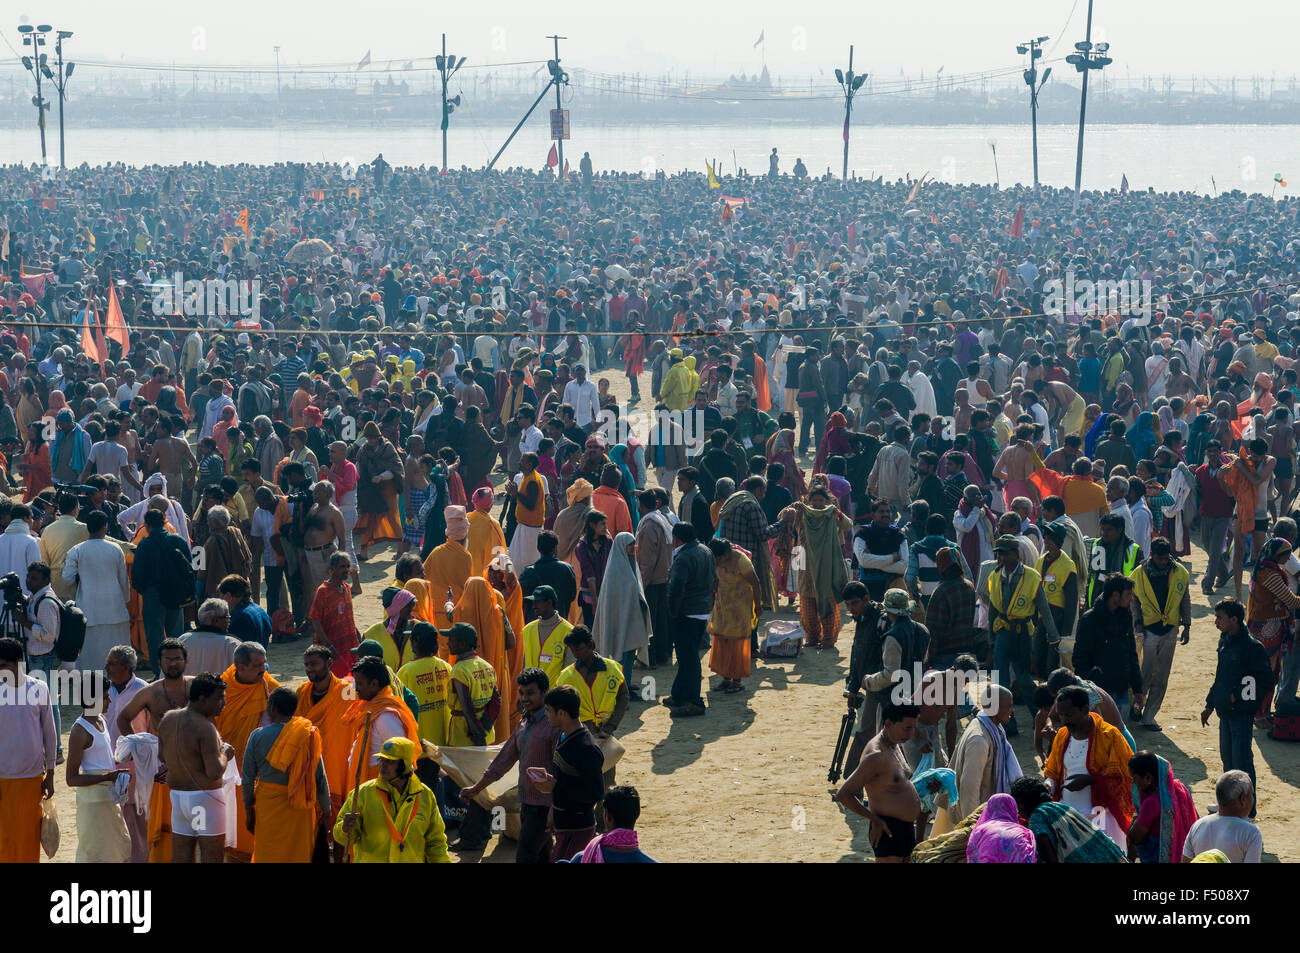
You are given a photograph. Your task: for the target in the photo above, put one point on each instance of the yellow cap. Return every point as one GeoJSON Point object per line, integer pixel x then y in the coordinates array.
{"type": "Point", "coordinates": [399, 749]}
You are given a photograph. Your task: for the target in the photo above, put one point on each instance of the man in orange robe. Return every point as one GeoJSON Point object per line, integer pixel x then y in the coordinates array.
{"type": "Point", "coordinates": [447, 567]}
{"type": "Point", "coordinates": [285, 792]}
{"type": "Point", "coordinates": [376, 715]}
{"type": "Point", "coordinates": [323, 700]}
{"type": "Point", "coordinates": [248, 684]}
{"type": "Point", "coordinates": [485, 539]}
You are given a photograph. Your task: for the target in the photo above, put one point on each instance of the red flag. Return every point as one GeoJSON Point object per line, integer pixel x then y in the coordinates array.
{"type": "Point", "coordinates": [1018, 223]}
{"type": "Point", "coordinates": [552, 158]}
{"type": "Point", "coordinates": [566, 168]}
{"type": "Point", "coordinates": [1048, 481]}
{"type": "Point", "coordinates": [115, 323]}
{"type": "Point", "coordinates": [846, 128]}
{"type": "Point", "coordinates": [92, 340]}
{"type": "Point", "coordinates": [1003, 280]}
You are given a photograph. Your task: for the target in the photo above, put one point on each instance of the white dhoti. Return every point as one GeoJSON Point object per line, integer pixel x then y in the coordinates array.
{"type": "Point", "coordinates": [101, 831]}
{"type": "Point", "coordinates": [523, 546]}
{"type": "Point", "coordinates": [99, 639]}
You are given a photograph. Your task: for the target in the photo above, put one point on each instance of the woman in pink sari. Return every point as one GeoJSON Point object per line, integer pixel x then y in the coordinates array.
{"type": "Point", "coordinates": [221, 430]}
{"type": "Point", "coordinates": [999, 837]}
{"type": "Point", "coordinates": [835, 442]}
{"type": "Point", "coordinates": [780, 449]}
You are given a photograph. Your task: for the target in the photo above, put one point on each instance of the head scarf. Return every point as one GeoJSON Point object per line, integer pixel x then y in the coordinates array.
{"type": "Point", "coordinates": [999, 837]}
{"type": "Point", "coordinates": [483, 499]}
{"type": "Point", "coordinates": [579, 491]}
{"type": "Point", "coordinates": [622, 622]}
{"type": "Point", "coordinates": [1142, 437]}
{"type": "Point", "coordinates": [402, 598]}
{"type": "Point", "coordinates": [156, 485]}
{"type": "Point", "coordinates": [57, 402]}
{"type": "Point", "coordinates": [457, 522]}
{"type": "Point", "coordinates": [1272, 556]}
{"type": "Point", "coordinates": [1177, 812]}
{"type": "Point", "coordinates": [1099, 430]}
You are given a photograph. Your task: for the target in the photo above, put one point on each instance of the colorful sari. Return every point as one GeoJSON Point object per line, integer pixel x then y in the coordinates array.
{"type": "Point", "coordinates": [1177, 813]}
{"type": "Point", "coordinates": [1073, 838]}
{"type": "Point", "coordinates": [835, 442]}
{"type": "Point", "coordinates": [999, 837]}
{"type": "Point", "coordinates": [780, 449]}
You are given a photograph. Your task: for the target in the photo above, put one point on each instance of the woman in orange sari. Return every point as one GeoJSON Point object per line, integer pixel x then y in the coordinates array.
{"type": "Point", "coordinates": [35, 463]}
{"type": "Point", "coordinates": [481, 608]}
{"type": "Point", "coordinates": [502, 577]}
{"type": "Point", "coordinates": [378, 469]}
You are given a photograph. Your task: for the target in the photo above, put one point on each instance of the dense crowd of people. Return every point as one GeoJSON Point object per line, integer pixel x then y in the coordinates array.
{"type": "Point", "coordinates": [866, 398]}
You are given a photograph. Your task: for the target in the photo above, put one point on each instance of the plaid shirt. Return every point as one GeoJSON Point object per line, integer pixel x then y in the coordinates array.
{"type": "Point", "coordinates": [950, 617]}
{"type": "Point", "coordinates": [747, 527]}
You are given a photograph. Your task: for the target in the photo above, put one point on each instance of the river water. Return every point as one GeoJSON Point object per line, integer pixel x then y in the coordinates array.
{"type": "Point", "coordinates": [1165, 157]}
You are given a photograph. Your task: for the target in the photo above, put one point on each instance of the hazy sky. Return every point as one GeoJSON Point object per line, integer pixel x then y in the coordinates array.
{"type": "Point", "coordinates": [1147, 37]}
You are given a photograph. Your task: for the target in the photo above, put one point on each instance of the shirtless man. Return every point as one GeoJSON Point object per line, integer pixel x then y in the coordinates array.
{"type": "Point", "coordinates": [1014, 466]}
{"type": "Point", "coordinates": [172, 456]}
{"type": "Point", "coordinates": [1282, 447]}
{"type": "Point", "coordinates": [892, 805]}
{"type": "Point", "coordinates": [1057, 398]}
{"type": "Point", "coordinates": [962, 411]}
{"type": "Point", "coordinates": [1224, 415]}
{"type": "Point", "coordinates": [190, 743]}
{"type": "Point", "coordinates": [937, 699]}
{"type": "Point", "coordinates": [161, 696]}
{"type": "Point", "coordinates": [324, 535]}
{"type": "Point", "coordinates": [1179, 383]}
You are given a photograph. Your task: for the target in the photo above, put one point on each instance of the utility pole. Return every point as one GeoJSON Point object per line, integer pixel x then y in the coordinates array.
{"type": "Point", "coordinates": [61, 84]}
{"type": "Point", "coordinates": [34, 36]}
{"type": "Point", "coordinates": [1034, 49]}
{"type": "Point", "coordinates": [447, 67]}
{"type": "Point", "coordinates": [557, 72]}
{"type": "Point", "coordinates": [278, 105]}
{"type": "Point", "coordinates": [850, 84]}
{"type": "Point", "coordinates": [1088, 58]}
{"type": "Point", "coordinates": [558, 77]}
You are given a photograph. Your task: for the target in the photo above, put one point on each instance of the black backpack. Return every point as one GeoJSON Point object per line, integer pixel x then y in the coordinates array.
{"type": "Point", "coordinates": [72, 629]}
{"type": "Point", "coordinates": [177, 580]}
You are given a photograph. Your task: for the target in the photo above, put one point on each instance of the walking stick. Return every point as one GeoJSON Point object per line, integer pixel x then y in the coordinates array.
{"type": "Point", "coordinates": [356, 784]}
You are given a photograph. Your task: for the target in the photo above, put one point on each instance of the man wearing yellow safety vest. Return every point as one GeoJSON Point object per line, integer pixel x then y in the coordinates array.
{"type": "Point", "coordinates": [1113, 552]}
{"type": "Point", "coordinates": [1014, 597]}
{"type": "Point", "coordinates": [601, 687]}
{"type": "Point", "coordinates": [543, 638]}
{"type": "Point", "coordinates": [1163, 604]}
{"type": "Point", "coordinates": [1061, 584]}
{"type": "Point", "coordinates": [393, 819]}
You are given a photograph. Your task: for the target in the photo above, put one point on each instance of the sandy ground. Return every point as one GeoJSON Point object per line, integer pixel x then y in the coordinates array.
{"type": "Point", "coordinates": [748, 781]}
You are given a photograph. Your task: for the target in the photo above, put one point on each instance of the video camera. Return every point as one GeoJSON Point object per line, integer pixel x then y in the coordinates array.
{"type": "Point", "coordinates": [12, 589]}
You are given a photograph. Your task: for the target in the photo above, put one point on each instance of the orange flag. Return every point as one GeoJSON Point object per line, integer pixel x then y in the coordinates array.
{"type": "Point", "coordinates": [115, 328]}
{"type": "Point", "coordinates": [242, 221]}
{"type": "Point", "coordinates": [92, 340]}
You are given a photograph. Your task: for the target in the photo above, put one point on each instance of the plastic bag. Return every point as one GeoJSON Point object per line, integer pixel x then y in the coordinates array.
{"type": "Point", "coordinates": [49, 827]}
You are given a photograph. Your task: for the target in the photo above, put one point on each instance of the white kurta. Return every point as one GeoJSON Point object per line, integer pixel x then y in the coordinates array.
{"type": "Point", "coordinates": [98, 568]}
